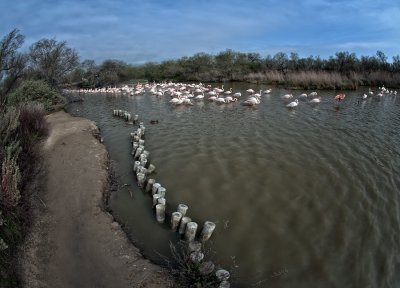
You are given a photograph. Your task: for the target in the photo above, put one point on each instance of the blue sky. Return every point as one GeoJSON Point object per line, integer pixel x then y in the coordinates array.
{"type": "Point", "coordinates": [141, 31]}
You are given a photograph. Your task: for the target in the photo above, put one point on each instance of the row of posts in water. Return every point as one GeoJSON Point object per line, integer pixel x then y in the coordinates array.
{"type": "Point", "coordinates": [180, 222]}
{"type": "Point", "coordinates": [126, 115]}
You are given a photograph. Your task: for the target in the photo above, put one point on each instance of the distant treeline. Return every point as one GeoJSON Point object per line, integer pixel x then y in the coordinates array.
{"type": "Point", "coordinates": [344, 70]}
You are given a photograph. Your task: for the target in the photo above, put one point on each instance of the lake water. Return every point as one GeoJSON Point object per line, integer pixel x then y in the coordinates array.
{"type": "Point", "coordinates": [307, 197]}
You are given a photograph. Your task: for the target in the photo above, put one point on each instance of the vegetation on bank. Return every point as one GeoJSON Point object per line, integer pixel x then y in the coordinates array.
{"type": "Point", "coordinates": [29, 88]}
{"type": "Point", "coordinates": [21, 128]}
{"type": "Point", "coordinates": [342, 71]}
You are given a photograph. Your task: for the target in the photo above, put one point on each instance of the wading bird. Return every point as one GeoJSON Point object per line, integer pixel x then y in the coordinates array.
{"type": "Point", "coordinates": [293, 104]}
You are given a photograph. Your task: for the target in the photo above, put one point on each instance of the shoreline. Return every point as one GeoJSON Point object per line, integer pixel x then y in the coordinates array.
{"type": "Point", "coordinates": [73, 240]}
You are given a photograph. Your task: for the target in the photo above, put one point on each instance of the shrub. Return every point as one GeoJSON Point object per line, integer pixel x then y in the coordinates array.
{"type": "Point", "coordinates": [10, 235]}
{"type": "Point", "coordinates": [21, 128]}
{"type": "Point", "coordinates": [36, 91]}
{"type": "Point", "coordinates": [3, 244]}
{"type": "Point", "coordinates": [10, 179]}
{"type": "Point", "coordinates": [8, 132]}
{"type": "Point", "coordinates": [188, 273]}
{"type": "Point", "coordinates": [32, 125]}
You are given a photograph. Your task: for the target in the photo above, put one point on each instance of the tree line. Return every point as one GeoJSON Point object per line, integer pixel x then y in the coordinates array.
{"type": "Point", "coordinates": [344, 70]}
{"type": "Point", "coordinates": [59, 66]}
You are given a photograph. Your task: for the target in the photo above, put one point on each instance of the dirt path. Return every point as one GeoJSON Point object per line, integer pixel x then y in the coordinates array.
{"type": "Point", "coordinates": [73, 242]}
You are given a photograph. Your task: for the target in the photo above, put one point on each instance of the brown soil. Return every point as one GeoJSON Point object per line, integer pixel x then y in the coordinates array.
{"type": "Point", "coordinates": [73, 241]}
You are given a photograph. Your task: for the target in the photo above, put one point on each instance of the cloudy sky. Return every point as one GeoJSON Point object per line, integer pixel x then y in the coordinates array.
{"type": "Point", "coordinates": [141, 31]}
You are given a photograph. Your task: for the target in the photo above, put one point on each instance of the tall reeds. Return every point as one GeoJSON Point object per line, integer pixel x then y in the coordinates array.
{"type": "Point", "coordinates": [325, 80]}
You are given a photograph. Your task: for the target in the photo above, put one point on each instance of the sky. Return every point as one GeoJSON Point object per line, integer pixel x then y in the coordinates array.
{"type": "Point", "coordinates": [137, 32]}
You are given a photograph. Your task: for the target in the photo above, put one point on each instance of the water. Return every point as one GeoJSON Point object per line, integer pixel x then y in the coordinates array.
{"type": "Point", "coordinates": [307, 197]}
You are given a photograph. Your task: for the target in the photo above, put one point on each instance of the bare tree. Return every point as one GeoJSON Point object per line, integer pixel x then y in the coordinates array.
{"type": "Point", "coordinates": [281, 62]}
{"type": "Point", "coordinates": [12, 63]}
{"type": "Point", "coordinates": [51, 60]}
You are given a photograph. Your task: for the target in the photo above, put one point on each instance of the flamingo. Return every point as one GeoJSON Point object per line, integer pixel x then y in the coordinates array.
{"type": "Point", "coordinates": [187, 101]}
{"type": "Point", "coordinates": [364, 96]}
{"type": "Point", "coordinates": [251, 101]}
{"type": "Point", "coordinates": [287, 96]}
{"type": "Point", "coordinates": [257, 94]}
{"type": "Point", "coordinates": [250, 91]}
{"type": "Point", "coordinates": [267, 91]}
{"type": "Point", "coordinates": [212, 98]}
{"type": "Point", "coordinates": [316, 100]}
{"type": "Point", "coordinates": [230, 99]}
{"type": "Point", "coordinates": [237, 94]}
{"type": "Point", "coordinates": [313, 94]}
{"type": "Point", "coordinates": [293, 104]}
{"type": "Point", "coordinates": [160, 93]}
{"type": "Point", "coordinates": [220, 100]}
{"type": "Point", "coordinates": [176, 100]}
{"type": "Point", "coordinates": [219, 90]}
{"type": "Point", "coordinates": [200, 97]}
{"type": "Point", "coordinates": [228, 92]}
{"type": "Point", "coordinates": [340, 96]}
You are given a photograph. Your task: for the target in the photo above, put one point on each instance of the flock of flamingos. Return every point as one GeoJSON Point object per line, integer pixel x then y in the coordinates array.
{"type": "Point", "coordinates": [186, 94]}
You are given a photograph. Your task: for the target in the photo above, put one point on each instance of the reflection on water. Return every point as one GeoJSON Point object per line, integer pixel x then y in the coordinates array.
{"type": "Point", "coordinates": [307, 197]}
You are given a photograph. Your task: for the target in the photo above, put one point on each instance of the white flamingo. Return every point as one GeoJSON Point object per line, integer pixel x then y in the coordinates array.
{"type": "Point", "coordinates": [212, 98]}
{"type": "Point", "coordinates": [316, 100]}
{"type": "Point", "coordinates": [160, 93]}
{"type": "Point", "coordinates": [257, 94]}
{"type": "Point", "coordinates": [229, 92]}
{"type": "Point", "coordinates": [176, 100]}
{"type": "Point", "coordinates": [237, 94]}
{"type": "Point", "coordinates": [267, 91]}
{"type": "Point", "coordinates": [293, 104]}
{"type": "Point", "coordinates": [250, 91]}
{"type": "Point", "coordinates": [200, 97]}
{"type": "Point", "coordinates": [230, 99]}
{"type": "Point", "coordinates": [219, 90]}
{"type": "Point", "coordinates": [252, 101]}
{"type": "Point", "coordinates": [187, 101]}
{"type": "Point", "coordinates": [287, 96]}
{"type": "Point", "coordinates": [313, 94]}
{"type": "Point", "coordinates": [220, 100]}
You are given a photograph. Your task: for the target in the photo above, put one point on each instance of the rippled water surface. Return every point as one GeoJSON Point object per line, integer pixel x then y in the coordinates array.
{"type": "Point", "coordinates": [307, 197]}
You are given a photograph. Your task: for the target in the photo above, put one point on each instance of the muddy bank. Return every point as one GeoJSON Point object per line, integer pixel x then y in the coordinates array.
{"type": "Point", "coordinates": [73, 241]}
